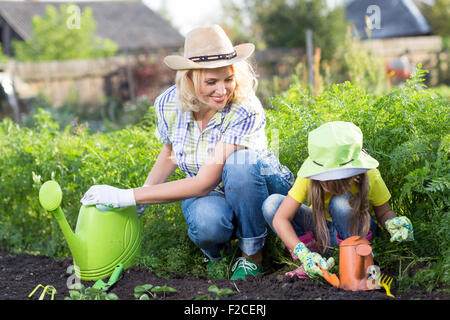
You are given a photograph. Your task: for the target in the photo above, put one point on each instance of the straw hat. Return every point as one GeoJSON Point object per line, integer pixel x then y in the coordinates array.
{"type": "Point", "coordinates": [208, 47]}
{"type": "Point", "coordinates": [335, 152]}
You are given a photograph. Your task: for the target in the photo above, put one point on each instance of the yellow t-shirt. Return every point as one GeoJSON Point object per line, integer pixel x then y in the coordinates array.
{"type": "Point", "coordinates": [378, 192]}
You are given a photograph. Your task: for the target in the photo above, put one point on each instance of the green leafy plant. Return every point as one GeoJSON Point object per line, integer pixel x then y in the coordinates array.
{"type": "Point", "coordinates": [143, 292]}
{"type": "Point", "coordinates": [218, 292]}
{"type": "Point", "coordinates": [80, 292]}
{"type": "Point", "coordinates": [406, 130]}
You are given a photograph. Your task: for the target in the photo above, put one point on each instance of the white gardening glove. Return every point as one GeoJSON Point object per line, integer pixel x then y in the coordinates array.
{"type": "Point", "coordinates": [108, 196]}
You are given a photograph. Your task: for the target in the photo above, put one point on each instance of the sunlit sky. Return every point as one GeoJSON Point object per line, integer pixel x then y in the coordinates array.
{"type": "Point", "coordinates": [188, 14]}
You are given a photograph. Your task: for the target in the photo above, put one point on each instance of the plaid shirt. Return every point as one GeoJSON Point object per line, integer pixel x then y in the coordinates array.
{"type": "Point", "coordinates": [241, 123]}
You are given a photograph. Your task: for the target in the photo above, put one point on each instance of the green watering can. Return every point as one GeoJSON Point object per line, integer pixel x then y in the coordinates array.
{"type": "Point", "coordinates": [103, 238]}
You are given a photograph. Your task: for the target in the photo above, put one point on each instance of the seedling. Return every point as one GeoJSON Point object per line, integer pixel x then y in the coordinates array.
{"type": "Point", "coordinates": [143, 292]}
{"type": "Point", "coordinates": [217, 291]}
{"type": "Point", "coordinates": [79, 292]}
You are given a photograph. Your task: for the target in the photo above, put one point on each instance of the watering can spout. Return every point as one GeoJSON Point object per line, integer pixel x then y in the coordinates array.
{"type": "Point", "coordinates": [50, 197]}
{"type": "Point", "coordinates": [74, 242]}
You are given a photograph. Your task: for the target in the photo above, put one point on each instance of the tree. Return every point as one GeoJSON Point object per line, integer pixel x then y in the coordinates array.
{"type": "Point", "coordinates": [64, 34]}
{"type": "Point", "coordinates": [438, 16]}
{"type": "Point", "coordinates": [283, 23]}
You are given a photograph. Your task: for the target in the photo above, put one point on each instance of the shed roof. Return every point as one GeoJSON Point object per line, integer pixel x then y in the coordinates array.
{"type": "Point", "coordinates": [397, 18]}
{"type": "Point", "coordinates": [132, 25]}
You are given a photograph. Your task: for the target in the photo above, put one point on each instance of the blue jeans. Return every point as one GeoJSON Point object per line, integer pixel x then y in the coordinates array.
{"type": "Point", "coordinates": [339, 208]}
{"type": "Point", "coordinates": [215, 219]}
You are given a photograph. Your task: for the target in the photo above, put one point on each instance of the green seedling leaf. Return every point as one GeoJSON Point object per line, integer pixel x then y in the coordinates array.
{"type": "Point", "coordinates": [93, 291]}
{"type": "Point", "coordinates": [220, 292]}
{"type": "Point", "coordinates": [141, 290]}
{"type": "Point", "coordinates": [225, 291]}
{"type": "Point", "coordinates": [74, 295]}
{"type": "Point", "coordinates": [112, 296]}
{"type": "Point", "coordinates": [147, 286]}
{"type": "Point", "coordinates": [163, 289]}
{"type": "Point", "coordinates": [213, 289]}
{"type": "Point", "coordinates": [144, 297]}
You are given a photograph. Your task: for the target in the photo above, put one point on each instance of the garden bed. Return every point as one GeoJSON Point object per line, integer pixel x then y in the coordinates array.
{"type": "Point", "coordinates": [21, 273]}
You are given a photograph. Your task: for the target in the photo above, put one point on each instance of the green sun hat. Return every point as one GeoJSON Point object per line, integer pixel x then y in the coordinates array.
{"type": "Point", "coordinates": [335, 152]}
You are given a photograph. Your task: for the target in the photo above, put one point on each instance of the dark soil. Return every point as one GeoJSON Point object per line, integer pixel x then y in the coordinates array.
{"type": "Point", "coordinates": [20, 274]}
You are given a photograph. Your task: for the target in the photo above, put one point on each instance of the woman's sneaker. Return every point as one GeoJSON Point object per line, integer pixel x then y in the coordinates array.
{"type": "Point", "coordinates": [244, 266]}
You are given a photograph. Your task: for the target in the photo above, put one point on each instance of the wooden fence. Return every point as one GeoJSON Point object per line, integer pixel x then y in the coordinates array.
{"type": "Point", "coordinates": [89, 82]}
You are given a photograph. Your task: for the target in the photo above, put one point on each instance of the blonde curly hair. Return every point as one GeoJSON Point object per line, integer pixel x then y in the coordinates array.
{"type": "Point", "coordinates": [188, 84]}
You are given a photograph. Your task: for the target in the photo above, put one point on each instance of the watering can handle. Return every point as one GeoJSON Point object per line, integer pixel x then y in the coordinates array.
{"type": "Point", "coordinates": [115, 275]}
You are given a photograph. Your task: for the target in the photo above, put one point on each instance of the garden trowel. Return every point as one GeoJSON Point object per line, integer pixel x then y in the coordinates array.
{"type": "Point", "coordinates": [105, 286]}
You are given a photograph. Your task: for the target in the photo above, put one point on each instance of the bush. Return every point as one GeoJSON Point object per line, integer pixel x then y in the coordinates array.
{"type": "Point", "coordinates": [406, 130]}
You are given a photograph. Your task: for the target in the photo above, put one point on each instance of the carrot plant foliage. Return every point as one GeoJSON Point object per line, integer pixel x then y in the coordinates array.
{"type": "Point", "coordinates": [406, 130]}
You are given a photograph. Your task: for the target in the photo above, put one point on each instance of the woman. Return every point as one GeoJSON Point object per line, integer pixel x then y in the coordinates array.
{"type": "Point", "coordinates": [212, 127]}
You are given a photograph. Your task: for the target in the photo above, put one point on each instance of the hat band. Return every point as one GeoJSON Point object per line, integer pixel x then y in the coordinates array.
{"type": "Point", "coordinates": [214, 57]}
{"type": "Point", "coordinates": [340, 165]}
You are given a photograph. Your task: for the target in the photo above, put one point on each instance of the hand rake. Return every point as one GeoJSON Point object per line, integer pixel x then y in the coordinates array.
{"type": "Point", "coordinates": [385, 281]}
{"type": "Point", "coordinates": [46, 290]}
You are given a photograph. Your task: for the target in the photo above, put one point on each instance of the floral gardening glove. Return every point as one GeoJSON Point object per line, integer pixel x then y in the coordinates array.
{"type": "Point", "coordinates": [109, 196]}
{"type": "Point", "coordinates": [310, 259]}
{"type": "Point", "coordinates": [400, 229]}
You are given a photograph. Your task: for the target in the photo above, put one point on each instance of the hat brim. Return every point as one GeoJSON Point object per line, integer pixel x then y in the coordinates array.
{"type": "Point", "coordinates": [175, 62]}
{"type": "Point", "coordinates": [311, 170]}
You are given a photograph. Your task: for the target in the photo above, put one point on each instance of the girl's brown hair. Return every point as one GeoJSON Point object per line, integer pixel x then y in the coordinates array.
{"type": "Point", "coordinates": [359, 218]}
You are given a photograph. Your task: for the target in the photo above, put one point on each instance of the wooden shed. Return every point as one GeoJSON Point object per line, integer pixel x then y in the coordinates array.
{"type": "Point", "coordinates": [131, 24]}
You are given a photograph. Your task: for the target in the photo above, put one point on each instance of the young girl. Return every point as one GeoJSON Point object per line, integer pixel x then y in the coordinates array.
{"type": "Point", "coordinates": [343, 187]}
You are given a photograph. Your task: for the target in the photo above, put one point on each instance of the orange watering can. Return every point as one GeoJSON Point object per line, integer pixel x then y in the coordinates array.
{"type": "Point", "coordinates": [355, 258]}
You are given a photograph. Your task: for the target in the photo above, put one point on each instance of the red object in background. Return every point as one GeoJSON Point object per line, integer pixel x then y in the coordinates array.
{"type": "Point", "coordinates": [399, 68]}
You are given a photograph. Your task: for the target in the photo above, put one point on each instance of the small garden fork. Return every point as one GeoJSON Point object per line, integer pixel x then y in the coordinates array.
{"type": "Point", "coordinates": [385, 281]}
{"type": "Point", "coordinates": [47, 289]}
